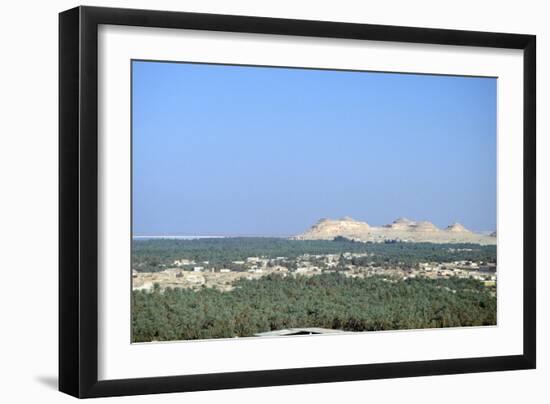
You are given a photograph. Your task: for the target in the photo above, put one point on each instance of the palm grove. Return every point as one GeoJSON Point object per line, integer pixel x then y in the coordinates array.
{"type": "Point", "coordinates": [328, 300]}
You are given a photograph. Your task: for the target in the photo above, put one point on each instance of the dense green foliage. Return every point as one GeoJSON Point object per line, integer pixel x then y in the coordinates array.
{"type": "Point", "coordinates": [150, 255]}
{"type": "Point", "coordinates": [329, 300]}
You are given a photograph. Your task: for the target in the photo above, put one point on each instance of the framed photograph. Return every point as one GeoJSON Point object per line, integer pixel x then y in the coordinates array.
{"type": "Point", "coordinates": [250, 201]}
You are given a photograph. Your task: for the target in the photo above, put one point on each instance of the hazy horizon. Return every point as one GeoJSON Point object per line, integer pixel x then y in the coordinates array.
{"type": "Point", "coordinates": [267, 235]}
{"type": "Point", "coordinates": [232, 150]}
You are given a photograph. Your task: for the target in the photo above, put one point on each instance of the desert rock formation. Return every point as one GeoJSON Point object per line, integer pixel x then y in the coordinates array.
{"type": "Point", "coordinates": [401, 229]}
{"type": "Point", "coordinates": [457, 228]}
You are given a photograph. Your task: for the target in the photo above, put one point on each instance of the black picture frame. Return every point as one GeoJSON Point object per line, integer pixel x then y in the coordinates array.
{"type": "Point", "coordinates": [78, 201]}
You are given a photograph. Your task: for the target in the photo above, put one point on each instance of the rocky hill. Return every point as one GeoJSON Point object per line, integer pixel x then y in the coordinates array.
{"type": "Point", "coordinates": [457, 228]}
{"type": "Point", "coordinates": [401, 229]}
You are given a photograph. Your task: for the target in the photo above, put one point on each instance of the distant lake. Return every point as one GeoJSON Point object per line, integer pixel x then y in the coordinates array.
{"type": "Point", "coordinates": [201, 237]}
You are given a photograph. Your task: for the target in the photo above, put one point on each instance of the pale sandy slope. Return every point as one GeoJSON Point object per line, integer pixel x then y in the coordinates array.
{"type": "Point", "coordinates": [401, 229]}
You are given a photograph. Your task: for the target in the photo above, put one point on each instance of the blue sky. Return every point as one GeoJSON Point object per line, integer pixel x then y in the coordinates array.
{"type": "Point", "coordinates": [232, 150]}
